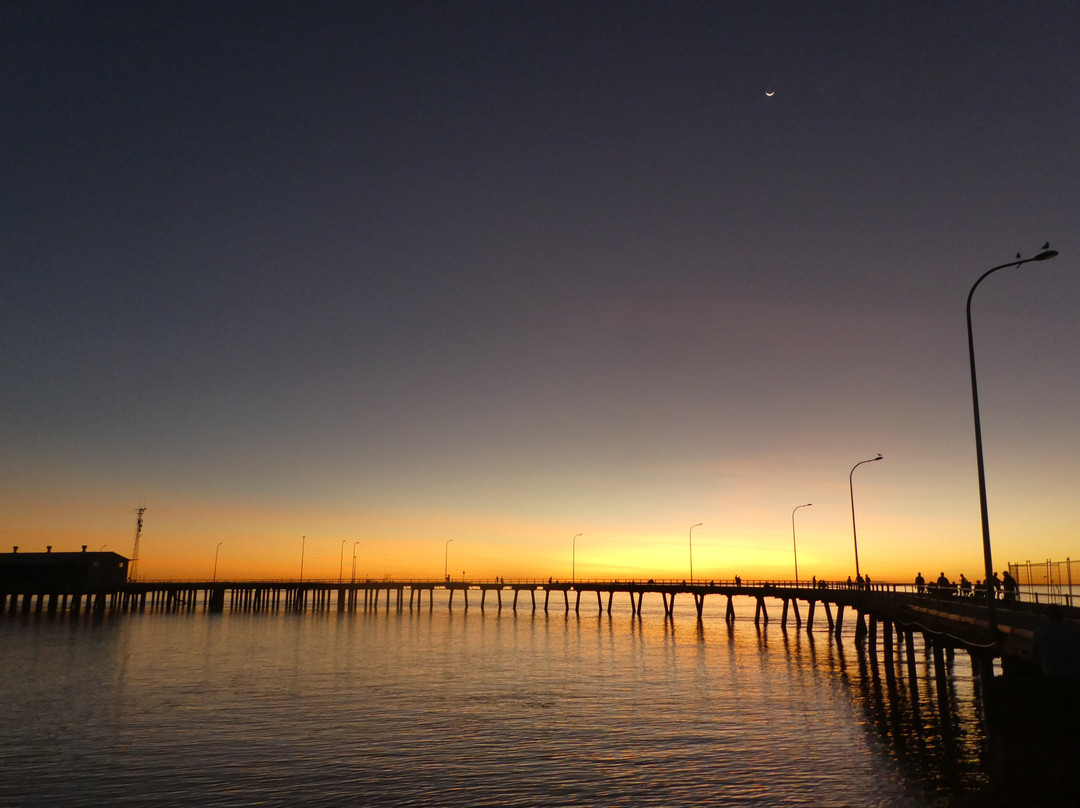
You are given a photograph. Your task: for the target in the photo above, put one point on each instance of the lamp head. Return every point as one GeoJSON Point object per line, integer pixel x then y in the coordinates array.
{"type": "Point", "coordinates": [1045, 255]}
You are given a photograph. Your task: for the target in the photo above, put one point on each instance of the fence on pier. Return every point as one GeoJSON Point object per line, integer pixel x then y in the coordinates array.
{"type": "Point", "coordinates": [1046, 581]}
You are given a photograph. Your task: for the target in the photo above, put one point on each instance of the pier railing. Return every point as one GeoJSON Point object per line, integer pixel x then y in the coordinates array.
{"type": "Point", "coordinates": [747, 583]}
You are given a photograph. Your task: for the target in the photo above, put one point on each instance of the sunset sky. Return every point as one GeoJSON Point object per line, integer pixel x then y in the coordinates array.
{"type": "Point", "coordinates": [382, 275]}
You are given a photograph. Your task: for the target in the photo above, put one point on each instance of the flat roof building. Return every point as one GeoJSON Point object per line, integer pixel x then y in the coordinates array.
{"type": "Point", "coordinates": [61, 572]}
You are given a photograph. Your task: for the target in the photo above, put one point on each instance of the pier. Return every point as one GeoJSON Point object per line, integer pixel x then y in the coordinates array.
{"type": "Point", "coordinates": [887, 614]}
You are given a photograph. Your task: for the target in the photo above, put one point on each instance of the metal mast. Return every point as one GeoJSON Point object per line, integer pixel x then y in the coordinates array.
{"type": "Point", "coordinates": [133, 567]}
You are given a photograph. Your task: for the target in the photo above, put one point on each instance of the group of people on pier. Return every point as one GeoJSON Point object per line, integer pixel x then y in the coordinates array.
{"type": "Point", "coordinates": [1006, 587]}
{"type": "Point", "coordinates": [860, 582]}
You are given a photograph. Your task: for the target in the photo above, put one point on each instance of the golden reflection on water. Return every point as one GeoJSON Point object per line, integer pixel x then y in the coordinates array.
{"type": "Point", "coordinates": [478, 707]}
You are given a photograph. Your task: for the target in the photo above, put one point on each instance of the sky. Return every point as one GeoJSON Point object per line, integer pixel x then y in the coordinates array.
{"type": "Point", "coordinates": [428, 288]}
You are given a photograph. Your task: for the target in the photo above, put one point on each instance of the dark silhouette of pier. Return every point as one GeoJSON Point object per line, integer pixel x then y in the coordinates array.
{"type": "Point", "coordinates": [885, 613]}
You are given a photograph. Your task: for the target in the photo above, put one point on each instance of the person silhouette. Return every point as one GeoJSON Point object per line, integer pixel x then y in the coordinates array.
{"type": "Point", "coordinates": [1009, 586]}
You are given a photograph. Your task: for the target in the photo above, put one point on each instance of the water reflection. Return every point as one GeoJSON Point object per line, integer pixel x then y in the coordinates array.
{"type": "Point", "coordinates": [932, 729]}
{"type": "Point", "coordinates": [623, 687]}
{"type": "Point", "coordinates": [936, 738]}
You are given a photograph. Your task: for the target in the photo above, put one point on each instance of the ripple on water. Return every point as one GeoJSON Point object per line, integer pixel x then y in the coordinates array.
{"type": "Point", "coordinates": [433, 708]}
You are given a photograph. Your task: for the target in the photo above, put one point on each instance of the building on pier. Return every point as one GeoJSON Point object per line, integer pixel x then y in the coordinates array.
{"type": "Point", "coordinates": [61, 572]}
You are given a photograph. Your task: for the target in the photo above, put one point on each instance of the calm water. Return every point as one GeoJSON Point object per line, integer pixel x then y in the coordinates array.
{"type": "Point", "coordinates": [469, 708]}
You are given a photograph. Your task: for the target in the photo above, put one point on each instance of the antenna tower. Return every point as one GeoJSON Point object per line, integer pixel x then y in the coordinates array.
{"type": "Point", "coordinates": [133, 567]}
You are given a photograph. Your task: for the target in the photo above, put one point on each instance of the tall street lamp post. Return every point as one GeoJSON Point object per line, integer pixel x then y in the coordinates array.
{"type": "Point", "coordinates": [446, 557]}
{"type": "Point", "coordinates": [354, 561]}
{"type": "Point", "coordinates": [697, 524]}
{"type": "Point", "coordinates": [794, 547]}
{"type": "Point", "coordinates": [573, 559]}
{"type": "Point", "coordinates": [303, 544]}
{"type": "Point", "coordinates": [991, 616]}
{"type": "Point", "coordinates": [216, 551]}
{"type": "Point", "coordinates": [851, 489]}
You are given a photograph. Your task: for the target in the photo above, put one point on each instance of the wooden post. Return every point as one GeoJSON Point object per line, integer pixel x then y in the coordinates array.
{"type": "Point", "coordinates": [983, 667]}
{"type": "Point", "coordinates": [913, 674]}
{"type": "Point", "coordinates": [890, 660]}
{"type": "Point", "coordinates": [216, 600]}
{"type": "Point", "coordinates": [941, 681]}
{"type": "Point", "coordinates": [868, 624]}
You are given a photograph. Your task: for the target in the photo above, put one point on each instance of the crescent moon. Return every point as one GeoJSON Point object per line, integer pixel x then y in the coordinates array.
{"type": "Point", "coordinates": [770, 93]}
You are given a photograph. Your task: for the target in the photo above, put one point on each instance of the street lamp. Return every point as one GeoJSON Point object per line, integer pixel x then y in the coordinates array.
{"type": "Point", "coordinates": [698, 524]}
{"type": "Point", "coordinates": [991, 617]}
{"type": "Point", "coordinates": [354, 561]}
{"type": "Point", "coordinates": [573, 560]}
{"type": "Point", "coordinates": [794, 548]}
{"type": "Point", "coordinates": [215, 559]}
{"type": "Point", "coordinates": [851, 488]}
{"type": "Point", "coordinates": [303, 544]}
{"type": "Point", "coordinates": [446, 557]}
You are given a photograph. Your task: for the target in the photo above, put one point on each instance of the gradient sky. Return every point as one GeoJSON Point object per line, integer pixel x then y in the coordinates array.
{"type": "Point", "coordinates": [383, 275]}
